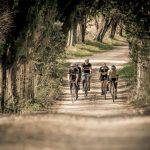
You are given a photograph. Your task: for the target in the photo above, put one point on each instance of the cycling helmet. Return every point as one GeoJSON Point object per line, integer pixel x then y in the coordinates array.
{"type": "Point", "coordinates": [113, 67]}
{"type": "Point", "coordinates": [87, 60]}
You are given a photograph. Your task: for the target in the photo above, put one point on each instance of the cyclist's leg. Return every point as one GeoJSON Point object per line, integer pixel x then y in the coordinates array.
{"type": "Point", "coordinates": [102, 86]}
{"type": "Point", "coordinates": [76, 89]}
{"type": "Point", "coordinates": [101, 79]}
{"type": "Point", "coordinates": [115, 84]}
{"type": "Point", "coordinates": [89, 81]}
{"type": "Point", "coordinates": [110, 85]}
{"type": "Point", "coordinates": [70, 84]}
{"type": "Point", "coordinates": [86, 81]}
{"type": "Point", "coordinates": [83, 80]}
{"type": "Point", "coordinates": [78, 85]}
{"type": "Point", "coordinates": [107, 83]}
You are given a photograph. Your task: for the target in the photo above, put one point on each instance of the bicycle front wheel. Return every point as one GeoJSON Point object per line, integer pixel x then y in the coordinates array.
{"type": "Point", "coordinates": [113, 92]}
{"type": "Point", "coordinates": [73, 93]}
{"type": "Point", "coordinates": [85, 89]}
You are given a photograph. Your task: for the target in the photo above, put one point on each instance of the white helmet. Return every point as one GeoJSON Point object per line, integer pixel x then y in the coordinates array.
{"type": "Point", "coordinates": [113, 67]}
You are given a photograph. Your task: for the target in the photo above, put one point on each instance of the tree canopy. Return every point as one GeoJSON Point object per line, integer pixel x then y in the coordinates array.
{"type": "Point", "coordinates": [30, 30]}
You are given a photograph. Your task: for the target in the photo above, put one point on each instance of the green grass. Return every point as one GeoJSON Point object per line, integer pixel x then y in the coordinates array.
{"type": "Point", "coordinates": [117, 41]}
{"type": "Point", "coordinates": [83, 53]}
{"type": "Point", "coordinates": [87, 49]}
{"type": "Point", "coordinates": [95, 46]}
{"type": "Point", "coordinates": [91, 47]}
{"type": "Point", "coordinates": [128, 72]}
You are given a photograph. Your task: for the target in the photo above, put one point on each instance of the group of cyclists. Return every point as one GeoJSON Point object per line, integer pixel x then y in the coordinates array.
{"type": "Point", "coordinates": [77, 74]}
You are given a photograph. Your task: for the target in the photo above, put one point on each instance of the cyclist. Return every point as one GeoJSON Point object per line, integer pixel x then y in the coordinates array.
{"type": "Point", "coordinates": [86, 70]}
{"type": "Point", "coordinates": [73, 75]}
{"type": "Point", "coordinates": [113, 77]}
{"type": "Point", "coordinates": [103, 70]}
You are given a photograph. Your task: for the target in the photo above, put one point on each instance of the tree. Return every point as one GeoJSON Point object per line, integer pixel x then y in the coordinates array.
{"type": "Point", "coordinates": [114, 24]}
{"type": "Point", "coordinates": [104, 29]}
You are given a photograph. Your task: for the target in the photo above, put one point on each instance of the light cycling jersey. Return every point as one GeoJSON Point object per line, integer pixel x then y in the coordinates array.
{"type": "Point", "coordinates": [113, 74]}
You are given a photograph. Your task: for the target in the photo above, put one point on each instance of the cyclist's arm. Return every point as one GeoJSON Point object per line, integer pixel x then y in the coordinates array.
{"type": "Point", "coordinates": [68, 76]}
{"type": "Point", "coordinates": [91, 69]}
{"type": "Point", "coordinates": [82, 68]}
{"type": "Point", "coordinates": [69, 73]}
{"type": "Point", "coordinates": [109, 75]}
{"type": "Point", "coordinates": [77, 77]}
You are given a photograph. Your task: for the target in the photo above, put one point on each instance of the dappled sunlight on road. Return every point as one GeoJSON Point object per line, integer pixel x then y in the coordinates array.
{"type": "Point", "coordinates": [90, 123]}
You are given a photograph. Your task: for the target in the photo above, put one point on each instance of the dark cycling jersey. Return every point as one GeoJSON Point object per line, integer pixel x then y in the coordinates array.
{"type": "Point", "coordinates": [103, 70]}
{"type": "Point", "coordinates": [73, 73]}
{"type": "Point", "coordinates": [86, 67]}
{"type": "Point", "coordinates": [103, 73]}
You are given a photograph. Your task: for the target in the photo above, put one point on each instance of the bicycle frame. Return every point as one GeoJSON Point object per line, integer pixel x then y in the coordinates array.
{"type": "Point", "coordinates": [113, 90]}
{"type": "Point", "coordinates": [74, 91]}
{"type": "Point", "coordinates": [105, 88]}
{"type": "Point", "coordinates": [86, 83]}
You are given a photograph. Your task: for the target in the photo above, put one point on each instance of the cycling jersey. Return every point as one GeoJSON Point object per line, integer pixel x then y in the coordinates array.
{"type": "Point", "coordinates": [103, 70]}
{"type": "Point", "coordinates": [113, 74]}
{"type": "Point", "coordinates": [86, 67]}
{"type": "Point", "coordinates": [73, 73]}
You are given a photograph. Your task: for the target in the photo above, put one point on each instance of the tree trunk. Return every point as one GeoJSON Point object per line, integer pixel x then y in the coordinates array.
{"type": "Point", "coordinates": [83, 28]}
{"type": "Point", "coordinates": [24, 81]}
{"type": "Point", "coordinates": [121, 29]}
{"type": "Point", "coordinates": [15, 97]}
{"type": "Point", "coordinates": [143, 78]}
{"type": "Point", "coordinates": [74, 34]}
{"type": "Point", "coordinates": [79, 36]}
{"type": "Point", "coordinates": [20, 92]}
{"type": "Point", "coordinates": [3, 86]}
{"type": "Point", "coordinates": [102, 22]}
{"type": "Point", "coordinates": [70, 37]}
{"type": "Point", "coordinates": [104, 29]}
{"type": "Point", "coordinates": [96, 23]}
{"type": "Point", "coordinates": [30, 82]}
{"type": "Point", "coordinates": [113, 28]}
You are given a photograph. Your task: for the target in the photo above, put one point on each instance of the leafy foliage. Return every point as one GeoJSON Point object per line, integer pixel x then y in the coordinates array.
{"type": "Point", "coordinates": [32, 39]}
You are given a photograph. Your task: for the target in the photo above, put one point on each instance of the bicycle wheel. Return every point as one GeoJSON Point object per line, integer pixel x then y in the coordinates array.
{"type": "Point", "coordinates": [73, 93]}
{"type": "Point", "coordinates": [76, 91]}
{"type": "Point", "coordinates": [113, 92]}
{"type": "Point", "coordinates": [85, 88]}
{"type": "Point", "coordinates": [105, 89]}
{"type": "Point", "coordinates": [105, 92]}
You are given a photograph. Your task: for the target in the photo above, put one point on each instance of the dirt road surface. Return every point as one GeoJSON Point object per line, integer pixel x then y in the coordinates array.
{"type": "Point", "coordinates": [90, 123]}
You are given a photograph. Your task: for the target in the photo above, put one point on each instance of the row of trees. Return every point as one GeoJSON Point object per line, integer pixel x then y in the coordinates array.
{"type": "Point", "coordinates": [32, 45]}
{"type": "Point", "coordinates": [103, 22]}
{"type": "Point", "coordinates": [33, 35]}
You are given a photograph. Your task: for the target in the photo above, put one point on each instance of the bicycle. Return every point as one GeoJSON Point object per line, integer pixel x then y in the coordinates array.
{"type": "Point", "coordinates": [105, 88]}
{"type": "Point", "coordinates": [74, 91]}
{"type": "Point", "coordinates": [113, 90]}
{"type": "Point", "coordinates": [86, 78]}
